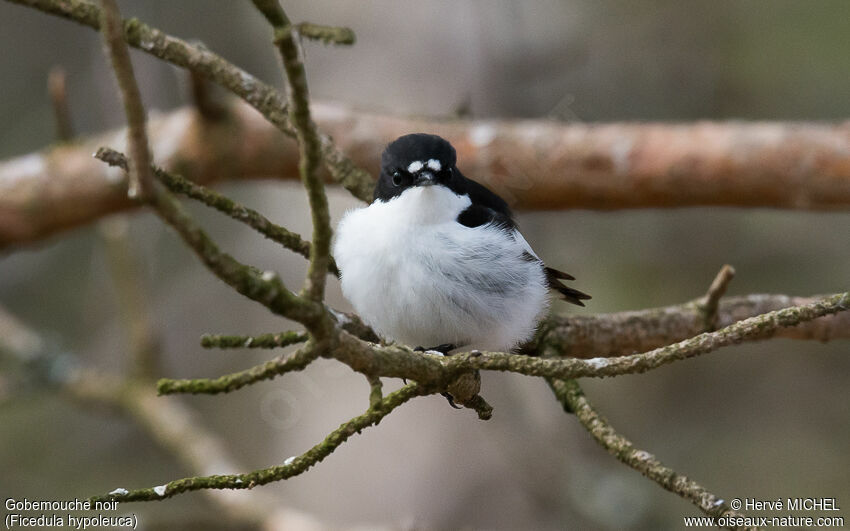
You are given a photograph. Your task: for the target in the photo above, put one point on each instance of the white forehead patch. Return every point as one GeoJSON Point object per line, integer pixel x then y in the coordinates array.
{"type": "Point", "coordinates": [415, 166]}
{"type": "Point", "coordinates": [434, 164]}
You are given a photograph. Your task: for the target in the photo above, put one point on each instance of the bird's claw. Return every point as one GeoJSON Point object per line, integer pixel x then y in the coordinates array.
{"type": "Point", "coordinates": [451, 400]}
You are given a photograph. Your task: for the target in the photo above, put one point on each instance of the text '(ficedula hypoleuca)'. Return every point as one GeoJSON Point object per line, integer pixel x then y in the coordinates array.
{"type": "Point", "coordinates": [437, 259]}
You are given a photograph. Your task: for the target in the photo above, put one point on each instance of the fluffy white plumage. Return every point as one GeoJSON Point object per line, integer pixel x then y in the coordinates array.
{"type": "Point", "coordinates": [419, 277]}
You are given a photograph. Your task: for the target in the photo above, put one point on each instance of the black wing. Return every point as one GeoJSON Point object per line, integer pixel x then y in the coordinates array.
{"type": "Point", "coordinates": [488, 207]}
{"type": "Point", "coordinates": [477, 215]}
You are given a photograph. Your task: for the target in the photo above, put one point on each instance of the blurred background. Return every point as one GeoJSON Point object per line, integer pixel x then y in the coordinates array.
{"type": "Point", "coordinates": [761, 420]}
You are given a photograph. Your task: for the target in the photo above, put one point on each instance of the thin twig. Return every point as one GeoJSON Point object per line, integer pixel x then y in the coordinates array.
{"type": "Point", "coordinates": [401, 362]}
{"type": "Point", "coordinates": [710, 302]}
{"type": "Point", "coordinates": [338, 35]}
{"type": "Point", "coordinates": [573, 399]}
{"type": "Point", "coordinates": [132, 297]}
{"type": "Point", "coordinates": [309, 145]}
{"type": "Point", "coordinates": [231, 382]}
{"type": "Point", "coordinates": [56, 87]}
{"type": "Point", "coordinates": [291, 467]}
{"type": "Point", "coordinates": [141, 181]}
{"type": "Point", "coordinates": [278, 340]}
{"type": "Point", "coordinates": [180, 185]}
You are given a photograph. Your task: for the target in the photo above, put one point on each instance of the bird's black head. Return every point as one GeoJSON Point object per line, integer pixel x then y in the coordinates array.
{"type": "Point", "coordinates": [417, 159]}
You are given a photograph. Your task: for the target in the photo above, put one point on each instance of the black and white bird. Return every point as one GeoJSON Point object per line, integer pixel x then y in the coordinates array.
{"type": "Point", "coordinates": [436, 261]}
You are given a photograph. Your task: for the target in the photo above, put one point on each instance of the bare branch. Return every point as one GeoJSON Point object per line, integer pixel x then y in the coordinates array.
{"type": "Point", "coordinates": [231, 382]}
{"type": "Point", "coordinates": [327, 34]}
{"type": "Point", "coordinates": [758, 327]}
{"type": "Point", "coordinates": [709, 303]}
{"type": "Point", "coordinates": [573, 399]}
{"type": "Point", "coordinates": [59, 98]}
{"type": "Point", "coordinates": [309, 151]}
{"type": "Point", "coordinates": [291, 467]}
{"type": "Point", "coordinates": [401, 362]}
{"type": "Point", "coordinates": [623, 333]}
{"type": "Point", "coordinates": [141, 181]}
{"type": "Point", "coordinates": [282, 339]}
{"type": "Point", "coordinates": [35, 193]}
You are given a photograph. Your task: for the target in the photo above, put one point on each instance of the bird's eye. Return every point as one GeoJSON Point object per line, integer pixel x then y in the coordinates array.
{"type": "Point", "coordinates": [396, 178]}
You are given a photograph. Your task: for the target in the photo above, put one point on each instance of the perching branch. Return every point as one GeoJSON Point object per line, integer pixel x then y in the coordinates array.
{"type": "Point", "coordinates": [293, 466]}
{"type": "Point", "coordinates": [397, 361]}
{"type": "Point", "coordinates": [758, 327]}
{"type": "Point", "coordinates": [574, 401]}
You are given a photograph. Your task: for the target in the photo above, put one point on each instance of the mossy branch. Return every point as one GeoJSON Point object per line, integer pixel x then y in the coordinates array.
{"type": "Point", "coordinates": [570, 395]}
{"type": "Point", "coordinates": [278, 340]}
{"type": "Point", "coordinates": [263, 287]}
{"type": "Point", "coordinates": [180, 185]}
{"type": "Point", "coordinates": [291, 467]}
{"type": "Point", "coordinates": [757, 327]}
{"type": "Point", "coordinates": [309, 145]}
{"type": "Point", "coordinates": [338, 35]}
{"type": "Point", "coordinates": [230, 382]}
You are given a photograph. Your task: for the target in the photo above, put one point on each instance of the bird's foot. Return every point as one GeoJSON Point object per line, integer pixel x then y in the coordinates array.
{"type": "Point", "coordinates": [451, 400]}
{"type": "Point", "coordinates": [443, 349]}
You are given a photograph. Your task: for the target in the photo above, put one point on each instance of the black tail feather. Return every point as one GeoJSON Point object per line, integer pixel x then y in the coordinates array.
{"type": "Point", "coordinates": [553, 279]}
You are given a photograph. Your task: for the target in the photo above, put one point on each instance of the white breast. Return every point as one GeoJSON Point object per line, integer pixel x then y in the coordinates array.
{"type": "Point", "coordinates": [417, 276]}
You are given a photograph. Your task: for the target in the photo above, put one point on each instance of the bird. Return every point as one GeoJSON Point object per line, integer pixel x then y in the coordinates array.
{"type": "Point", "coordinates": [437, 262]}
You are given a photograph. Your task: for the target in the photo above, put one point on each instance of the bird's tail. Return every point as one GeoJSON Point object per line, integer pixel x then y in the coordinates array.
{"type": "Point", "coordinates": [554, 278]}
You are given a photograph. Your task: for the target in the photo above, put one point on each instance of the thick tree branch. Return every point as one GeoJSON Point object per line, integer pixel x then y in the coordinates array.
{"type": "Point", "coordinates": [776, 170]}
{"type": "Point", "coordinates": [623, 333]}
{"type": "Point", "coordinates": [291, 467]}
{"type": "Point", "coordinates": [574, 401]}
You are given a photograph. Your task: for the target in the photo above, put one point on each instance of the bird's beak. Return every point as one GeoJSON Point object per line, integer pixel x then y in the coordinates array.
{"type": "Point", "coordinates": [425, 178]}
